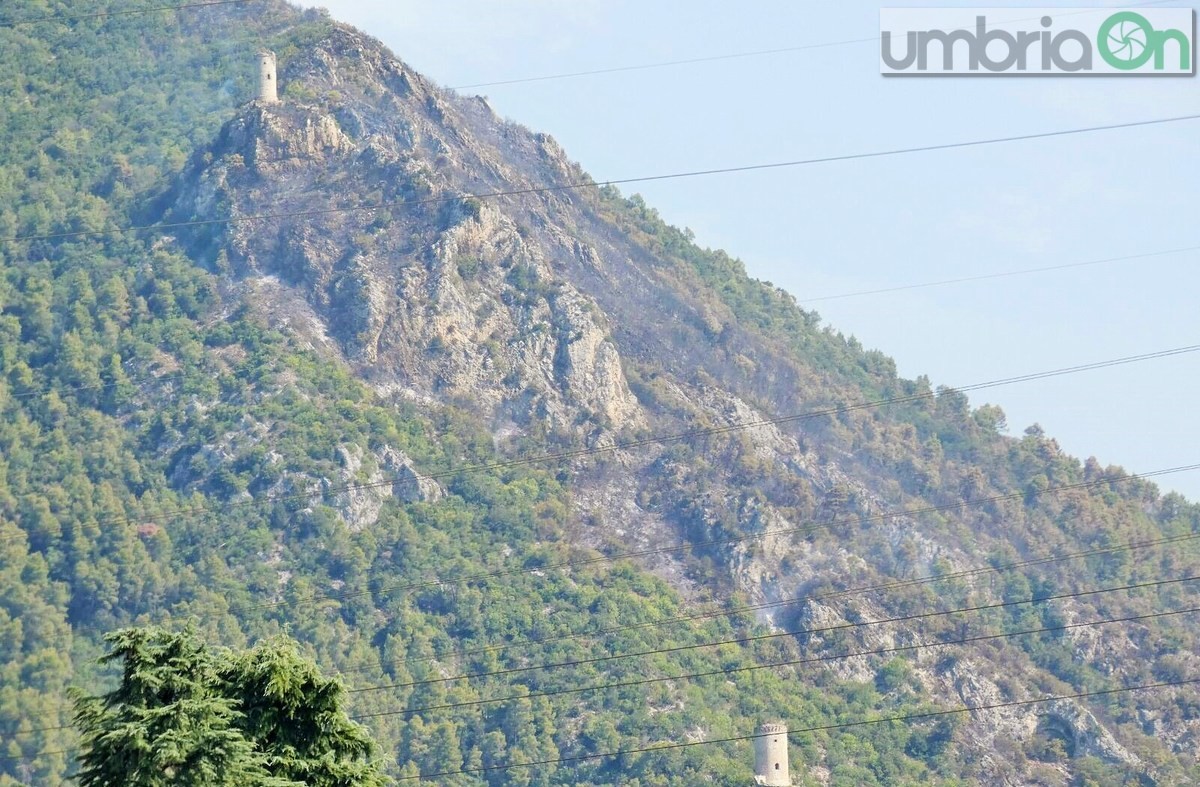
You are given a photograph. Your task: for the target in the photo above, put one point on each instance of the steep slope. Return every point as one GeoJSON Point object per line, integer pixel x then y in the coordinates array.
{"type": "Point", "coordinates": [240, 427]}
{"type": "Point", "coordinates": [534, 306]}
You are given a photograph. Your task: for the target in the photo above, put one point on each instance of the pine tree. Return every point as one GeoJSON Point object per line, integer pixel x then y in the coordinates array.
{"type": "Point", "coordinates": [293, 715]}
{"type": "Point", "coordinates": [165, 725]}
{"type": "Point", "coordinates": [186, 717]}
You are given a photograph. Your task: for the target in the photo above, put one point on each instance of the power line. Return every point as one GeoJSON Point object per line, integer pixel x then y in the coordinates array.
{"type": "Point", "coordinates": [67, 18]}
{"type": "Point", "coordinates": [805, 730]}
{"type": "Point", "coordinates": [665, 63]}
{"type": "Point", "coordinates": [833, 411]}
{"type": "Point", "coordinates": [39, 756]}
{"type": "Point", "coordinates": [35, 730]}
{"type": "Point", "coordinates": [687, 546]}
{"type": "Point", "coordinates": [794, 662]}
{"type": "Point", "coordinates": [739, 641]}
{"type": "Point", "coordinates": [821, 728]}
{"type": "Point", "coordinates": [591, 184]}
{"type": "Point", "coordinates": [999, 275]}
{"type": "Point", "coordinates": [773, 635]}
{"type": "Point", "coordinates": [768, 533]}
{"type": "Point", "coordinates": [918, 581]}
{"type": "Point", "coordinates": [563, 456]}
{"type": "Point", "coordinates": [775, 665]}
{"type": "Point", "coordinates": [166, 377]}
{"type": "Point", "coordinates": [683, 546]}
{"type": "Point", "coordinates": [729, 56]}
{"type": "Point", "coordinates": [920, 285]}
{"type": "Point", "coordinates": [169, 376]}
{"type": "Point", "coordinates": [1102, 481]}
{"type": "Point", "coordinates": [676, 437]}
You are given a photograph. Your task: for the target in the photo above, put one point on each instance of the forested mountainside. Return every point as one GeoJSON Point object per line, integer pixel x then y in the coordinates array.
{"type": "Point", "coordinates": [419, 427]}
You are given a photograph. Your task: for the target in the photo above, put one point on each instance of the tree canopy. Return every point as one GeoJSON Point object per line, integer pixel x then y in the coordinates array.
{"type": "Point", "coordinates": [185, 715]}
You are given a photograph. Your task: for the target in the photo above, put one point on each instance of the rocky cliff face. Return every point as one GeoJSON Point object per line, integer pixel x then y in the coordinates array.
{"type": "Point", "coordinates": [433, 295]}
{"type": "Point", "coordinates": [543, 314]}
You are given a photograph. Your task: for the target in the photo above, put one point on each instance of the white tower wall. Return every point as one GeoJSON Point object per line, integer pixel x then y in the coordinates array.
{"type": "Point", "coordinates": [267, 81]}
{"type": "Point", "coordinates": [771, 756]}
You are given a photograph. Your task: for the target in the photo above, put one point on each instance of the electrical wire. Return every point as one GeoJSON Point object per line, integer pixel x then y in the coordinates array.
{"type": "Point", "coordinates": [734, 55]}
{"type": "Point", "coordinates": [688, 546]}
{"type": "Point", "coordinates": [999, 275]}
{"type": "Point", "coordinates": [728, 612]}
{"type": "Point", "coordinates": [806, 730]}
{"type": "Point", "coordinates": [775, 665]}
{"type": "Point", "coordinates": [770, 636]}
{"type": "Point", "coordinates": [849, 592]}
{"type": "Point", "coordinates": [592, 184]}
{"type": "Point", "coordinates": [665, 63]}
{"type": "Point", "coordinates": [649, 681]}
{"type": "Point", "coordinates": [791, 663]}
{"type": "Point", "coordinates": [563, 456]}
{"type": "Point", "coordinates": [821, 598]}
{"type": "Point", "coordinates": [169, 376]}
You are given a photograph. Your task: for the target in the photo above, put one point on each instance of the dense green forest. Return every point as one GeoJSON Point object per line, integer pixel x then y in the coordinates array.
{"type": "Point", "coordinates": [123, 363]}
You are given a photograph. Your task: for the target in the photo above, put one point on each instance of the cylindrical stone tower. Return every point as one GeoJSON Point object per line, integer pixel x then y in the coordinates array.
{"type": "Point", "coordinates": [267, 90]}
{"type": "Point", "coordinates": [771, 756]}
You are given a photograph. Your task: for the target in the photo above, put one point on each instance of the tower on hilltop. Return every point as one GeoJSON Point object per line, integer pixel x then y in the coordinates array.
{"type": "Point", "coordinates": [267, 91]}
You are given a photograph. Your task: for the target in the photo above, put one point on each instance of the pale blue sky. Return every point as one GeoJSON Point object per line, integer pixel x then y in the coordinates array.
{"type": "Point", "coordinates": [843, 227]}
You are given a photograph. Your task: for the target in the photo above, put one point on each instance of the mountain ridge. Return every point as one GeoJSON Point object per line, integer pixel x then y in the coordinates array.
{"type": "Point", "coordinates": [355, 347]}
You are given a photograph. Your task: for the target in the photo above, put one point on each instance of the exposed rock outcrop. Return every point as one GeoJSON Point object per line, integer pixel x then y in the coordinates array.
{"type": "Point", "coordinates": [369, 479]}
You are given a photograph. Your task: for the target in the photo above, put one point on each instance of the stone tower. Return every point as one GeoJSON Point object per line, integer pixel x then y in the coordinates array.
{"type": "Point", "coordinates": [771, 756]}
{"type": "Point", "coordinates": [267, 91]}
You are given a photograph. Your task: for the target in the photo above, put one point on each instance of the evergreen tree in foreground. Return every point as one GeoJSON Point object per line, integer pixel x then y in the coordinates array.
{"type": "Point", "coordinates": [294, 717]}
{"type": "Point", "coordinates": [183, 716]}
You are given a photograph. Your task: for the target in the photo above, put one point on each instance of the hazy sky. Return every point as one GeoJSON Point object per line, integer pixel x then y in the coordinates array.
{"type": "Point", "coordinates": [844, 227]}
